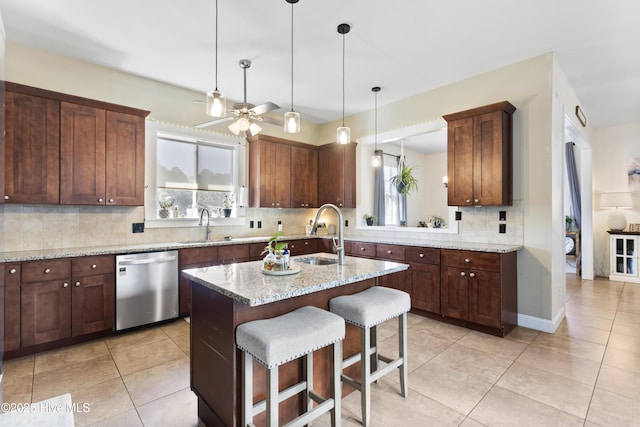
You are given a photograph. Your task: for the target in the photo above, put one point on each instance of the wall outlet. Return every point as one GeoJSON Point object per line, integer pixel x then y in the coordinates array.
{"type": "Point", "coordinates": [251, 224]}
{"type": "Point", "coordinates": [502, 215]}
{"type": "Point", "coordinates": [346, 222]}
{"type": "Point", "coordinates": [259, 224]}
{"type": "Point", "coordinates": [502, 228]}
{"type": "Point", "coordinates": [458, 216]}
{"type": "Point", "coordinates": [138, 227]}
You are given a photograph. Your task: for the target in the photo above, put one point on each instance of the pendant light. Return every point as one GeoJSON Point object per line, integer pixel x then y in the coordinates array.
{"type": "Point", "coordinates": [343, 135]}
{"type": "Point", "coordinates": [292, 118]}
{"type": "Point", "coordinates": [216, 102]}
{"type": "Point", "coordinates": [376, 159]}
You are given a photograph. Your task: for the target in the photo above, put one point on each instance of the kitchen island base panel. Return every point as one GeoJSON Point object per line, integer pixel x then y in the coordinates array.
{"type": "Point", "coordinates": [216, 368]}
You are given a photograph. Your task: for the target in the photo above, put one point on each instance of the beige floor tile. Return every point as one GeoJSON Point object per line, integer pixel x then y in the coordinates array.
{"type": "Point", "coordinates": [442, 330]}
{"type": "Point", "coordinates": [184, 342]}
{"type": "Point", "coordinates": [162, 412]}
{"type": "Point", "coordinates": [176, 328]}
{"type": "Point", "coordinates": [69, 379]}
{"type": "Point", "coordinates": [579, 331]}
{"type": "Point", "coordinates": [137, 357]}
{"type": "Point", "coordinates": [575, 368]}
{"type": "Point", "coordinates": [501, 407]}
{"type": "Point", "coordinates": [523, 334]}
{"type": "Point", "coordinates": [625, 342]}
{"type": "Point", "coordinates": [553, 390]}
{"type": "Point", "coordinates": [572, 346]}
{"type": "Point", "coordinates": [68, 356]}
{"type": "Point", "coordinates": [619, 381]}
{"type": "Point", "coordinates": [421, 347]}
{"type": "Point", "coordinates": [103, 401]}
{"type": "Point", "coordinates": [506, 349]}
{"type": "Point", "coordinates": [609, 409]}
{"type": "Point", "coordinates": [602, 305]}
{"type": "Point", "coordinates": [18, 367]}
{"type": "Point", "coordinates": [622, 359]}
{"type": "Point", "coordinates": [126, 419]}
{"type": "Point", "coordinates": [17, 381]}
{"type": "Point", "coordinates": [592, 321]}
{"type": "Point", "coordinates": [475, 363]}
{"type": "Point", "coordinates": [470, 422]}
{"type": "Point", "coordinates": [159, 381]}
{"type": "Point", "coordinates": [632, 307]}
{"type": "Point", "coordinates": [143, 336]}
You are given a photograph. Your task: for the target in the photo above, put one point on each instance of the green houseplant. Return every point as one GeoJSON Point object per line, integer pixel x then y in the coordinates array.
{"type": "Point", "coordinates": [227, 204]}
{"type": "Point", "coordinates": [404, 181]}
{"type": "Point", "coordinates": [165, 203]}
{"type": "Point", "coordinates": [369, 219]}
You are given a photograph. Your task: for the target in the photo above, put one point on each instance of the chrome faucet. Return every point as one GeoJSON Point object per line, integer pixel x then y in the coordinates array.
{"type": "Point", "coordinates": [206, 236]}
{"type": "Point", "coordinates": [339, 248]}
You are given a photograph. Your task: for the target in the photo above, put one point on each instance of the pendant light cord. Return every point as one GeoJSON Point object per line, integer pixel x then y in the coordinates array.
{"type": "Point", "coordinates": [343, 79]}
{"type": "Point", "coordinates": [216, 44]}
{"type": "Point", "coordinates": [292, 56]}
{"type": "Point", "coordinates": [376, 122]}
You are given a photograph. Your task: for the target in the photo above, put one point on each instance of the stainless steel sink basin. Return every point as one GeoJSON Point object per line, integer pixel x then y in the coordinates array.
{"type": "Point", "coordinates": [191, 242]}
{"type": "Point", "coordinates": [316, 260]}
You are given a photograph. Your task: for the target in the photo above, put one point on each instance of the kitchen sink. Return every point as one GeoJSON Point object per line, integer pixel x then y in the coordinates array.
{"type": "Point", "coordinates": [316, 260]}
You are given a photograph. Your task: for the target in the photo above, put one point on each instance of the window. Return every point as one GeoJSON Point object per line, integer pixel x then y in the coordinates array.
{"type": "Point", "coordinates": [190, 170]}
{"type": "Point", "coordinates": [391, 195]}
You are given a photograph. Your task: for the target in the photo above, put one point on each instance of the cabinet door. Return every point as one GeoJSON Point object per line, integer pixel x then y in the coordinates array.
{"type": "Point", "coordinates": [304, 177]}
{"type": "Point", "coordinates": [124, 159]}
{"type": "Point", "coordinates": [92, 304]}
{"type": "Point", "coordinates": [303, 247]}
{"type": "Point", "coordinates": [484, 298]}
{"type": "Point", "coordinates": [460, 162]}
{"type": "Point", "coordinates": [425, 287]}
{"type": "Point", "coordinates": [46, 311]}
{"type": "Point", "coordinates": [11, 306]}
{"type": "Point", "coordinates": [32, 150]}
{"type": "Point", "coordinates": [82, 160]}
{"type": "Point", "coordinates": [336, 175]}
{"type": "Point", "coordinates": [274, 175]}
{"type": "Point", "coordinates": [396, 281]}
{"type": "Point", "coordinates": [492, 160]}
{"type": "Point", "coordinates": [454, 293]}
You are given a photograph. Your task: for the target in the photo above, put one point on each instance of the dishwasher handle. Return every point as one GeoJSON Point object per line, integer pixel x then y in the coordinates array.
{"type": "Point", "coordinates": [147, 261]}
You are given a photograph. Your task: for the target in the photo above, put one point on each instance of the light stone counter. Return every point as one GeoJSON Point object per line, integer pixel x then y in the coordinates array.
{"type": "Point", "coordinates": [246, 283]}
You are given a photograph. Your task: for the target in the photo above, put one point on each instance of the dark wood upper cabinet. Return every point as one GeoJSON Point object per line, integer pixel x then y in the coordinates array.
{"type": "Point", "coordinates": [32, 149]}
{"type": "Point", "coordinates": [304, 177]}
{"type": "Point", "coordinates": [337, 175]}
{"type": "Point", "coordinates": [64, 149]}
{"type": "Point", "coordinates": [480, 156]}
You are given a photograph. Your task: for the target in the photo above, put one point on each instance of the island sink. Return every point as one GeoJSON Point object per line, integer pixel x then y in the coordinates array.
{"type": "Point", "coordinates": [316, 260]}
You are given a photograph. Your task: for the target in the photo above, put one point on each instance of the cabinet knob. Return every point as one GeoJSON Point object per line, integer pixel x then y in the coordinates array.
{"type": "Point", "coordinates": [94, 266]}
{"type": "Point", "coordinates": [476, 201]}
{"type": "Point", "coordinates": [65, 285]}
{"type": "Point", "coordinates": [13, 271]}
{"type": "Point", "coordinates": [6, 197]}
{"type": "Point", "coordinates": [468, 200]}
{"type": "Point", "coordinates": [77, 284]}
{"type": "Point", "coordinates": [278, 204]}
{"type": "Point", "coordinates": [47, 270]}
{"type": "Point", "coordinates": [472, 274]}
{"type": "Point", "coordinates": [306, 243]}
{"type": "Point", "coordinates": [273, 204]}
{"type": "Point", "coordinates": [462, 273]}
{"type": "Point", "coordinates": [362, 249]}
{"type": "Point", "coordinates": [100, 200]}
{"type": "Point", "coordinates": [421, 255]}
{"type": "Point", "coordinates": [110, 200]}
{"type": "Point", "coordinates": [467, 260]}
{"type": "Point", "coordinates": [302, 205]}
{"type": "Point", "coordinates": [389, 252]}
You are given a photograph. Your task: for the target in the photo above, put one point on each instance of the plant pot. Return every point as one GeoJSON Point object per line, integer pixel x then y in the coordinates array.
{"type": "Point", "coordinates": [163, 213]}
{"type": "Point", "coordinates": [369, 221]}
{"type": "Point", "coordinates": [226, 212]}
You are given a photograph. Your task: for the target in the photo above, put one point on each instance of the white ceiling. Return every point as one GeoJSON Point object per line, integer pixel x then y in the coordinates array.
{"type": "Point", "coordinates": [407, 47]}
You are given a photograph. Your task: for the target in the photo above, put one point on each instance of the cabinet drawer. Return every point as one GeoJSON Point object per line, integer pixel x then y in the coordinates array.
{"type": "Point", "coordinates": [198, 255]}
{"type": "Point", "coordinates": [363, 249]}
{"type": "Point", "coordinates": [303, 247]}
{"type": "Point", "coordinates": [255, 250]}
{"type": "Point", "coordinates": [90, 265]}
{"type": "Point", "coordinates": [422, 255]}
{"type": "Point", "coordinates": [40, 271]}
{"type": "Point", "coordinates": [233, 253]}
{"type": "Point", "coordinates": [393, 252]}
{"type": "Point", "coordinates": [471, 259]}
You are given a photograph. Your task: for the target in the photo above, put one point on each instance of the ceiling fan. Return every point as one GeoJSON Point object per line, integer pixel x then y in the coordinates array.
{"type": "Point", "coordinates": [244, 114]}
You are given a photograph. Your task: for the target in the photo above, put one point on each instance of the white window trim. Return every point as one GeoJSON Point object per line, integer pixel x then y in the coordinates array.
{"type": "Point", "coordinates": [154, 129]}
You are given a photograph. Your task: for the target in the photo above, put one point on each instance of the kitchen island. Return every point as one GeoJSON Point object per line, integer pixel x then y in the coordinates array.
{"type": "Point", "coordinates": [225, 296]}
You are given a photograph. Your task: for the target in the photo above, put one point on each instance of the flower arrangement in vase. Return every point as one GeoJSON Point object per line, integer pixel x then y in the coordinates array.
{"type": "Point", "coordinates": [277, 258]}
{"type": "Point", "coordinates": [227, 205]}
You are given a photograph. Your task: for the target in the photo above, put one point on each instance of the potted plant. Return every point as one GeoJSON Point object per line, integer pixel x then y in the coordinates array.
{"type": "Point", "coordinates": [436, 221]}
{"type": "Point", "coordinates": [568, 222]}
{"type": "Point", "coordinates": [277, 254]}
{"type": "Point", "coordinates": [369, 219]}
{"type": "Point", "coordinates": [227, 204]}
{"type": "Point", "coordinates": [404, 181]}
{"type": "Point", "coordinates": [165, 203]}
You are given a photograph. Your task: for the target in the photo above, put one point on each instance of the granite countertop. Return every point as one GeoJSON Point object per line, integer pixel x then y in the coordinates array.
{"type": "Point", "coordinates": [34, 255]}
{"type": "Point", "coordinates": [246, 283]}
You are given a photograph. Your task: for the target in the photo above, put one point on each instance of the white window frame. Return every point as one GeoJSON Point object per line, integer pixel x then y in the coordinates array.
{"type": "Point", "coordinates": [155, 130]}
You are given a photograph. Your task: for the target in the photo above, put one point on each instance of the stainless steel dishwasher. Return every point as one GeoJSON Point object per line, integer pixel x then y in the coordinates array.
{"type": "Point", "coordinates": [146, 288]}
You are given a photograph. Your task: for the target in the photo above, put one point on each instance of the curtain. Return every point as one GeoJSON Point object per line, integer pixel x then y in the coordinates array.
{"type": "Point", "coordinates": [378, 190]}
{"type": "Point", "coordinates": [574, 192]}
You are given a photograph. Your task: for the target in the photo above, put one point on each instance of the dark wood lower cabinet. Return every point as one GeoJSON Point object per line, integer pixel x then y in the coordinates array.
{"type": "Point", "coordinates": [11, 306]}
{"type": "Point", "coordinates": [425, 286]}
{"type": "Point", "coordinates": [92, 304]}
{"type": "Point", "coordinates": [45, 311]}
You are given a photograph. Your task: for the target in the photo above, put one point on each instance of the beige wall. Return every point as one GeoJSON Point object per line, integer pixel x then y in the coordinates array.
{"type": "Point", "coordinates": [527, 85]}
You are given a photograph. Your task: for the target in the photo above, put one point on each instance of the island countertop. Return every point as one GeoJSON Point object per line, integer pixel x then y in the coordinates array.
{"type": "Point", "coordinates": [245, 282]}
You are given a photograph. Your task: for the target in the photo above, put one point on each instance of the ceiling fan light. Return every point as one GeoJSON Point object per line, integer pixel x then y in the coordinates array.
{"type": "Point", "coordinates": [216, 104]}
{"type": "Point", "coordinates": [292, 122]}
{"type": "Point", "coordinates": [254, 129]}
{"type": "Point", "coordinates": [233, 127]}
{"type": "Point", "coordinates": [343, 135]}
{"type": "Point", "coordinates": [243, 124]}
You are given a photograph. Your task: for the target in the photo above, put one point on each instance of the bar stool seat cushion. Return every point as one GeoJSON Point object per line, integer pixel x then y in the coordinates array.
{"type": "Point", "coordinates": [281, 339]}
{"type": "Point", "coordinates": [372, 306]}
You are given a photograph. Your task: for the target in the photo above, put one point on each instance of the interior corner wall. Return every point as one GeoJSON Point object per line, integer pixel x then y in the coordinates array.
{"type": "Point", "coordinates": [612, 148]}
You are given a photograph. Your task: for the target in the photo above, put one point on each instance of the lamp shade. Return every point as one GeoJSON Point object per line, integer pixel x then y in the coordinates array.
{"type": "Point", "coordinates": [615, 200]}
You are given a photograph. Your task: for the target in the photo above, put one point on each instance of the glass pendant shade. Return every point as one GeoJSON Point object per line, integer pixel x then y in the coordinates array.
{"type": "Point", "coordinates": [376, 159]}
{"type": "Point", "coordinates": [292, 122]}
{"type": "Point", "coordinates": [343, 135]}
{"type": "Point", "coordinates": [216, 104]}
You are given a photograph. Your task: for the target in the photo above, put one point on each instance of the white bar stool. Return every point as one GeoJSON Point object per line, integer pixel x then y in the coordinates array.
{"type": "Point", "coordinates": [281, 339]}
{"type": "Point", "coordinates": [367, 309]}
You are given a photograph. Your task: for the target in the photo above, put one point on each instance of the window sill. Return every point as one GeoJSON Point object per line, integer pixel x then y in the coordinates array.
{"type": "Point", "coordinates": [192, 222]}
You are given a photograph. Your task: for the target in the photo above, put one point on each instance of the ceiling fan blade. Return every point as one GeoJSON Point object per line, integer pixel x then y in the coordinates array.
{"type": "Point", "coordinates": [213, 122]}
{"type": "Point", "coordinates": [272, 121]}
{"type": "Point", "coordinates": [264, 108]}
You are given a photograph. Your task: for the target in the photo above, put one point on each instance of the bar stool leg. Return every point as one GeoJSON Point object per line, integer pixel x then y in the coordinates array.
{"type": "Point", "coordinates": [308, 361]}
{"type": "Point", "coordinates": [374, 344]}
{"type": "Point", "coordinates": [272, 397]}
{"type": "Point", "coordinates": [365, 374]}
{"type": "Point", "coordinates": [402, 350]}
{"type": "Point", "coordinates": [336, 385]}
{"type": "Point", "coordinates": [247, 402]}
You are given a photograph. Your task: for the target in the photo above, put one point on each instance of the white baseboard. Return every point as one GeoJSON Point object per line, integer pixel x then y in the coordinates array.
{"type": "Point", "coordinates": [539, 324]}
